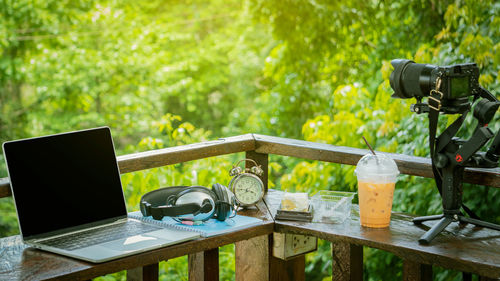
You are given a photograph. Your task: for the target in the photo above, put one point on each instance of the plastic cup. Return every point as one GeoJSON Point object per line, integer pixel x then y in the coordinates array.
{"type": "Point", "coordinates": [377, 175]}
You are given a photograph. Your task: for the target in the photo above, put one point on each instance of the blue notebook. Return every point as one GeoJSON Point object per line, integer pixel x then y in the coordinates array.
{"type": "Point", "coordinates": [209, 228]}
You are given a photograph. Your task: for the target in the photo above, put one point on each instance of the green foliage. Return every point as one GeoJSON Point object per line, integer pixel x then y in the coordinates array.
{"type": "Point", "coordinates": [345, 48]}
{"type": "Point", "coordinates": [163, 74]}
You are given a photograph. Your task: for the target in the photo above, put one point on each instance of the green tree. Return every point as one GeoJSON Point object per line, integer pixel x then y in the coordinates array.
{"type": "Point", "coordinates": [21, 22]}
{"type": "Point", "coordinates": [330, 71]}
{"type": "Point", "coordinates": [168, 73]}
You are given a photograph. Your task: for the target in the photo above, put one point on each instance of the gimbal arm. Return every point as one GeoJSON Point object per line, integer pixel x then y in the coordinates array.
{"type": "Point", "coordinates": [469, 148]}
{"type": "Point", "coordinates": [493, 153]}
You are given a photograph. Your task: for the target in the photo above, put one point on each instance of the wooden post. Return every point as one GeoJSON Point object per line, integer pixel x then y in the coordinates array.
{"type": "Point", "coordinates": [252, 259]}
{"type": "Point", "coordinates": [204, 266]}
{"type": "Point", "coordinates": [288, 270]}
{"type": "Point", "coordinates": [347, 261]}
{"type": "Point", "coordinates": [262, 160]}
{"type": "Point", "coordinates": [145, 273]}
{"type": "Point", "coordinates": [414, 271]}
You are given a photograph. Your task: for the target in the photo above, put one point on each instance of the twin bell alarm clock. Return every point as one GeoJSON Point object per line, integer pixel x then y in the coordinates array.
{"type": "Point", "coordinates": [246, 185]}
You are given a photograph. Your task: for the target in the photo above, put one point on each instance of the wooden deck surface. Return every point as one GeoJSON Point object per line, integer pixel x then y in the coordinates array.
{"type": "Point", "coordinates": [460, 247]}
{"type": "Point", "coordinates": [20, 262]}
{"type": "Point", "coordinates": [463, 248]}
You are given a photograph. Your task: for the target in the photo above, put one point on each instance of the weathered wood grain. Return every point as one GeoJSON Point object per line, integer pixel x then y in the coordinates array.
{"type": "Point", "coordinates": [460, 247]}
{"type": "Point", "coordinates": [347, 262]}
{"type": "Point", "coordinates": [31, 264]}
{"type": "Point", "coordinates": [409, 165]}
{"type": "Point", "coordinates": [252, 259]}
{"type": "Point", "coordinates": [184, 153]}
{"type": "Point", "coordinates": [263, 145]}
{"type": "Point", "coordinates": [204, 266]}
{"type": "Point", "coordinates": [172, 155]}
{"type": "Point", "coordinates": [287, 270]}
{"type": "Point", "coordinates": [250, 252]}
{"type": "Point", "coordinates": [145, 273]}
{"type": "Point", "coordinates": [415, 271]}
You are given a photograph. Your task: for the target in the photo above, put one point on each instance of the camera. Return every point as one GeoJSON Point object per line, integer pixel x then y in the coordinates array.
{"type": "Point", "coordinates": [415, 80]}
{"type": "Point", "coordinates": [448, 90]}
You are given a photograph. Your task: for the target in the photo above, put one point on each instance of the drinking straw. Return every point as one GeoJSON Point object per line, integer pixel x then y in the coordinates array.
{"type": "Point", "coordinates": [369, 146]}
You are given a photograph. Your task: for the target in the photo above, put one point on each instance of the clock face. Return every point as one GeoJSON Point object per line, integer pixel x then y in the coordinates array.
{"type": "Point", "coordinates": [248, 189]}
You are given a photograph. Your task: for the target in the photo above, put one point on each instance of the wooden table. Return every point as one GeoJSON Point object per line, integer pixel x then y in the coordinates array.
{"type": "Point", "coordinates": [460, 247]}
{"type": "Point", "coordinates": [20, 262]}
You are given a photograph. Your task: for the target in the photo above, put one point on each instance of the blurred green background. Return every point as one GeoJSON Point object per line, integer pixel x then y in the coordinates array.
{"type": "Point", "coordinates": [167, 73]}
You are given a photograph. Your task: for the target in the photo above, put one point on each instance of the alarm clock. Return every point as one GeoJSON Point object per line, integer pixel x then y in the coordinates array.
{"type": "Point", "coordinates": [246, 184]}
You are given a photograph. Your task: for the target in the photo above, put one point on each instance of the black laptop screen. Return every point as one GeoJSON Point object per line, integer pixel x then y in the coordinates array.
{"type": "Point", "coordinates": [64, 180]}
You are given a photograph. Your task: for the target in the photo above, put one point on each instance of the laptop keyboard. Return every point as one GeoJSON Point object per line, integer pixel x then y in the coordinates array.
{"type": "Point", "coordinates": [99, 235]}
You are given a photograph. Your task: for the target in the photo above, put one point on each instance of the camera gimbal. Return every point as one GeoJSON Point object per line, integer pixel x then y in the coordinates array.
{"type": "Point", "coordinates": [450, 155]}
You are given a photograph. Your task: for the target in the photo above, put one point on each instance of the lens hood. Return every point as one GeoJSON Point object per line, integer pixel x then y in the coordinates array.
{"type": "Point", "coordinates": [395, 78]}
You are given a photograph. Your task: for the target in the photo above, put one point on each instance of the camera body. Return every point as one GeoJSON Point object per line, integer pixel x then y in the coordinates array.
{"type": "Point", "coordinates": [414, 80]}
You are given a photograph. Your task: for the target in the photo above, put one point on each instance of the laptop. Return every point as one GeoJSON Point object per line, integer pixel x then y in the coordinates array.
{"type": "Point", "coordinates": [69, 198]}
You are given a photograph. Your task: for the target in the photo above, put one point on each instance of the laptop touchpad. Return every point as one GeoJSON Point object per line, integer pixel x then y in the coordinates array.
{"type": "Point", "coordinates": [134, 243]}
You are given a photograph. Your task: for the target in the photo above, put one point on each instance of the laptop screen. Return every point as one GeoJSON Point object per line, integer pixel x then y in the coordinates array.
{"type": "Point", "coordinates": [64, 180]}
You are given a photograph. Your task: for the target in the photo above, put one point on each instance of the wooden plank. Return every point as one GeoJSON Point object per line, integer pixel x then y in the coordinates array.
{"type": "Point", "coordinates": [172, 155]}
{"type": "Point", "coordinates": [29, 263]}
{"type": "Point", "coordinates": [252, 259]}
{"type": "Point", "coordinates": [144, 273]}
{"type": "Point", "coordinates": [260, 144]}
{"type": "Point", "coordinates": [347, 261]}
{"type": "Point", "coordinates": [263, 161]}
{"type": "Point", "coordinates": [415, 271]}
{"type": "Point", "coordinates": [195, 266]}
{"type": "Point", "coordinates": [184, 153]}
{"type": "Point", "coordinates": [410, 165]}
{"type": "Point", "coordinates": [204, 266]}
{"type": "Point", "coordinates": [482, 278]}
{"type": "Point", "coordinates": [461, 247]}
{"type": "Point", "coordinates": [288, 270]}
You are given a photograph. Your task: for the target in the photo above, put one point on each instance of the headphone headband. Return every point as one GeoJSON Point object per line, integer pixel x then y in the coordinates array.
{"type": "Point", "coordinates": [186, 203]}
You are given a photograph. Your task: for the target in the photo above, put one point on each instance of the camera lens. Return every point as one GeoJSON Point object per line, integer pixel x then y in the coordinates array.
{"type": "Point", "coordinates": [410, 79]}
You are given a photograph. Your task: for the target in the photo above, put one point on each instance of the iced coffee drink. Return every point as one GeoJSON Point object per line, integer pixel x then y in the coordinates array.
{"type": "Point", "coordinates": [377, 176]}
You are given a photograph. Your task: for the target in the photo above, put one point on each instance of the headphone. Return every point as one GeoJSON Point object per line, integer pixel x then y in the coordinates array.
{"type": "Point", "coordinates": [189, 203]}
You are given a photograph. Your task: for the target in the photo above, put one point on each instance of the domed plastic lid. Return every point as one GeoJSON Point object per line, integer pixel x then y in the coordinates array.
{"type": "Point", "coordinates": [377, 167]}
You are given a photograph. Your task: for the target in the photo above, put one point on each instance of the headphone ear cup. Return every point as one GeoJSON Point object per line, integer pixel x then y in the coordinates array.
{"type": "Point", "coordinates": [222, 205]}
{"type": "Point", "coordinates": [207, 201]}
{"type": "Point", "coordinates": [156, 198]}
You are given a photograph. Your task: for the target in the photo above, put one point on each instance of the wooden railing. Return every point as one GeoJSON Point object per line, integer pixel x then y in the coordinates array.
{"type": "Point", "coordinates": [477, 251]}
